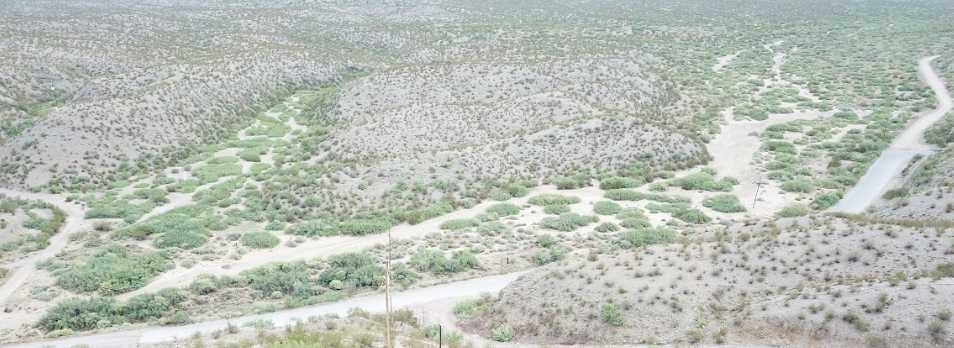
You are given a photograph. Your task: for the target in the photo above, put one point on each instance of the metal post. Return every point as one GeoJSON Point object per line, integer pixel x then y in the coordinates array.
{"type": "Point", "coordinates": [440, 337]}
{"type": "Point", "coordinates": [758, 185]}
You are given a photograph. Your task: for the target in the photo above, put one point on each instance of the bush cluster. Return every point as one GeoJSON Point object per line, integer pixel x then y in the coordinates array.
{"type": "Point", "coordinates": [567, 222]}
{"type": "Point", "coordinates": [646, 236]}
{"type": "Point", "coordinates": [458, 224]}
{"type": "Point", "coordinates": [631, 195]}
{"type": "Point", "coordinates": [618, 182]}
{"type": "Point", "coordinates": [551, 199]}
{"type": "Point", "coordinates": [724, 204]}
{"type": "Point", "coordinates": [436, 262]}
{"type": "Point", "coordinates": [606, 208]}
{"type": "Point", "coordinates": [111, 274]}
{"type": "Point", "coordinates": [503, 209]}
{"type": "Point", "coordinates": [259, 240]}
{"type": "Point", "coordinates": [705, 182]}
{"type": "Point", "coordinates": [351, 227]}
{"type": "Point", "coordinates": [556, 209]}
{"type": "Point", "coordinates": [574, 181]}
{"type": "Point", "coordinates": [793, 211]}
{"type": "Point", "coordinates": [429, 212]}
{"type": "Point", "coordinates": [548, 255]}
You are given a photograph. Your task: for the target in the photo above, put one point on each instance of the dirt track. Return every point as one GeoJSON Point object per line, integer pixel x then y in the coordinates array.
{"type": "Point", "coordinates": [884, 174]}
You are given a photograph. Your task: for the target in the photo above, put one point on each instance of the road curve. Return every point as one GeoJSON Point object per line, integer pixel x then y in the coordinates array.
{"type": "Point", "coordinates": [886, 171]}
{"type": "Point", "coordinates": [373, 303]}
{"type": "Point", "coordinates": [24, 268]}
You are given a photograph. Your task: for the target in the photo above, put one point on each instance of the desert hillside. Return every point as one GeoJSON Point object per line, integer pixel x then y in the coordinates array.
{"type": "Point", "coordinates": [542, 172]}
{"type": "Point", "coordinates": [805, 282]}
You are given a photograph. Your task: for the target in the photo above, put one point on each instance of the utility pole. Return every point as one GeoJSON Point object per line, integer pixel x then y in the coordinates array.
{"type": "Point", "coordinates": [758, 185]}
{"type": "Point", "coordinates": [387, 293]}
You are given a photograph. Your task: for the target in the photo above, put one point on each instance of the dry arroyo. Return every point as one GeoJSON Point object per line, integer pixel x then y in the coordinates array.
{"type": "Point", "coordinates": [884, 173]}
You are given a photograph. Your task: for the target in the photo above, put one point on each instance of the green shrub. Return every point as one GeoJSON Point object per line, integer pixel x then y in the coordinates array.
{"type": "Point", "coordinates": [793, 211]}
{"type": "Point", "coordinates": [545, 240]}
{"type": "Point", "coordinates": [357, 268]}
{"type": "Point", "coordinates": [471, 309]}
{"type": "Point", "coordinates": [556, 209]}
{"type": "Point", "coordinates": [500, 195]}
{"type": "Point", "coordinates": [213, 172]}
{"type": "Point", "coordinates": [632, 223]}
{"type": "Point", "coordinates": [146, 307]}
{"type": "Point", "coordinates": [491, 228]}
{"type": "Point", "coordinates": [111, 274]}
{"type": "Point", "coordinates": [607, 227]}
{"type": "Point", "coordinates": [658, 186]}
{"type": "Point", "coordinates": [606, 208]}
{"type": "Point", "coordinates": [617, 182]}
{"type": "Point", "coordinates": [503, 209]}
{"type": "Point", "coordinates": [551, 199]}
{"type": "Point", "coordinates": [631, 195]}
{"type": "Point", "coordinates": [81, 314]}
{"type": "Point", "coordinates": [895, 193]}
{"type": "Point", "coordinates": [693, 216]}
{"type": "Point", "coordinates": [647, 236]}
{"type": "Point", "coordinates": [548, 255]}
{"type": "Point", "coordinates": [611, 315]}
{"type": "Point", "coordinates": [798, 185]}
{"type": "Point", "coordinates": [780, 175]}
{"type": "Point", "coordinates": [671, 208]}
{"type": "Point", "coordinates": [631, 212]}
{"type": "Point", "coordinates": [825, 201]}
{"type": "Point", "coordinates": [352, 227]}
{"type": "Point", "coordinates": [275, 225]}
{"type": "Point", "coordinates": [567, 222]}
{"type": "Point", "coordinates": [570, 182]}
{"type": "Point", "coordinates": [723, 204]}
{"type": "Point", "coordinates": [705, 182]}
{"type": "Point", "coordinates": [361, 227]}
{"type": "Point", "coordinates": [458, 224]}
{"type": "Point", "coordinates": [435, 262]}
{"type": "Point", "coordinates": [429, 212]}
{"type": "Point", "coordinates": [260, 240]}
{"type": "Point", "coordinates": [503, 333]}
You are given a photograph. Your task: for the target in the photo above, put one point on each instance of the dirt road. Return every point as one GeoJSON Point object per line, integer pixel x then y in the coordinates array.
{"type": "Point", "coordinates": [23, 268]}
{"type": "Point", "coordinates": [374, 303]}
{"type": "Point", "coordinates": [885, 173]}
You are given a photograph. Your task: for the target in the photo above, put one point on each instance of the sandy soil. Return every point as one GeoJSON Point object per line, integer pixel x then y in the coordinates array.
{"type": "Point", "coordinates": [724, 61]}
{"type": "Point", "coordinates": [732, 152]}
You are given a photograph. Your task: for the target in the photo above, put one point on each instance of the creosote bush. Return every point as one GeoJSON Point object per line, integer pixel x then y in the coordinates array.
{"type": "Point", "coordinates": [646, 236]}
{"type": "Point", "coordinates": [567, 222]}
{"type": "Point", "coordinates": [259, 240]}
{"type": "Point", "coordinates": [551, 199]}
{"type": "Point", "coordinates": [724, 204]}
{"type": "Point", "coordinates": [459, 224]}
{"type": "Point", "coordinates": [503, 209]}
{"type": "Point", "coordinates": [606, 208]}
{"type": "Point", "coordinates": [556, 209]}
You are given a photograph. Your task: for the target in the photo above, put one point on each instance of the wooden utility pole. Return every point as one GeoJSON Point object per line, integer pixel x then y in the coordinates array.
{"type": "Point", "coordinates": [387, 293]}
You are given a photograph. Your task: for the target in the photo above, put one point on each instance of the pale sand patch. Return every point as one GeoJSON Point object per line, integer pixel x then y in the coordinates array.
{"type": "Point", "coordinates": [732, 152]}
{"type": "Point", "coordinates": [723, 61]}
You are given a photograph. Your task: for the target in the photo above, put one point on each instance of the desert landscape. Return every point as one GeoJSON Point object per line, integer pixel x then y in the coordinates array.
{"type": "Point", "coordinates": [609, 173]}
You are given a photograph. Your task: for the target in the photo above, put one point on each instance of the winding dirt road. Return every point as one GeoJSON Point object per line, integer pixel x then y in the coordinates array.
{"type": "Point", "coordinates": [22, 269]}
{"type": "Point", "coordinates": [374, 303]}
{"type": "Point", "coordinates": [885, 173]}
